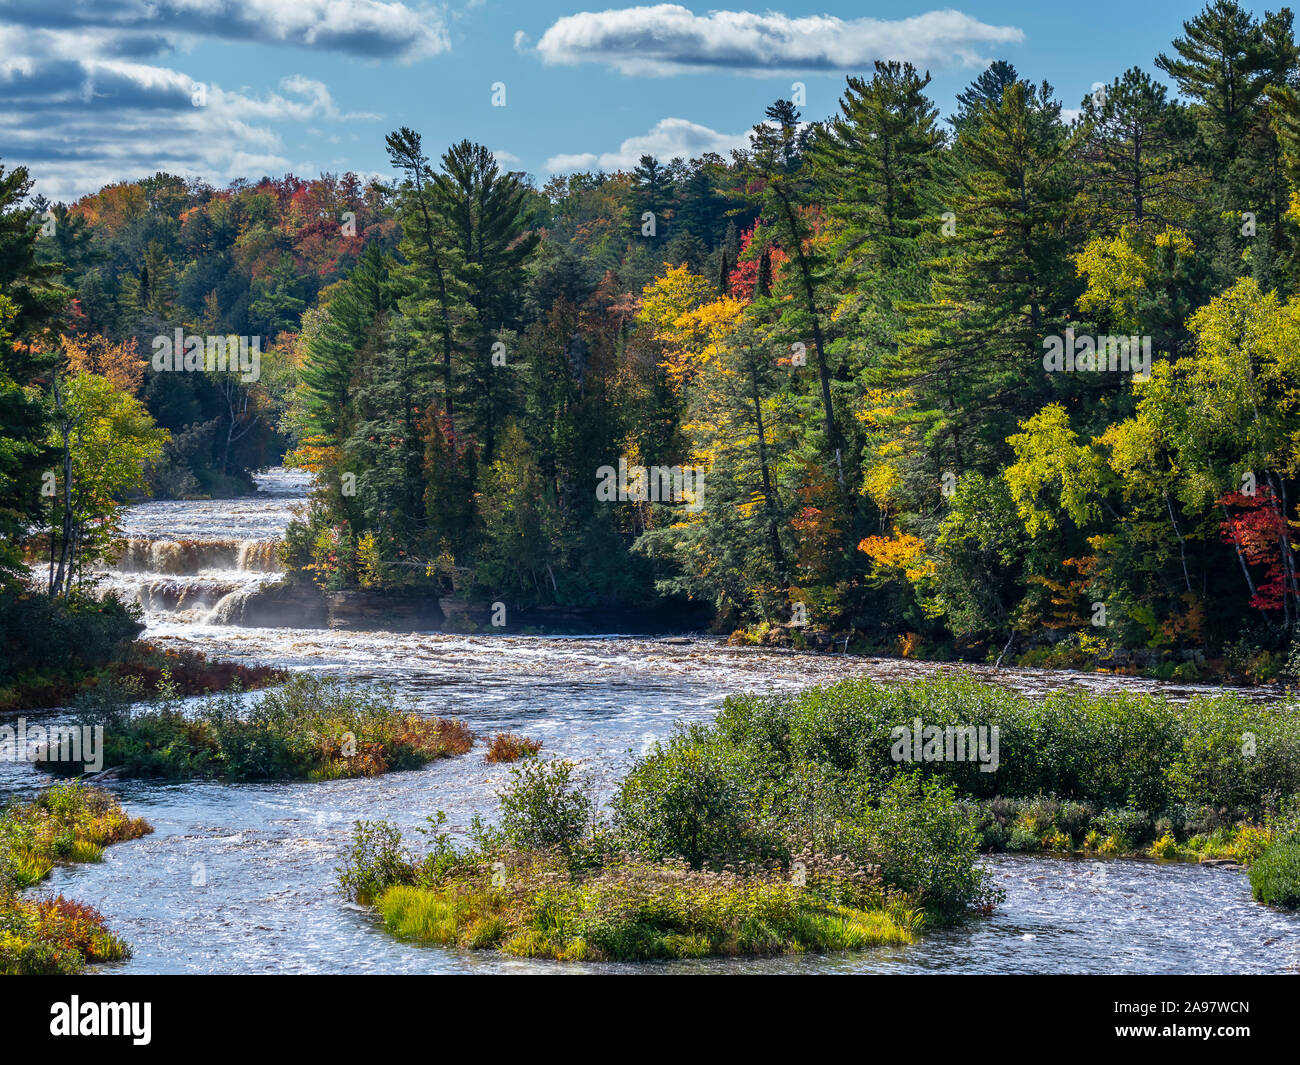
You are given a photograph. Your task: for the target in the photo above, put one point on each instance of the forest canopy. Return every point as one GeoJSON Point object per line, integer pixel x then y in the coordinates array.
{"type": "Point", "coordinates": [1026, 377]}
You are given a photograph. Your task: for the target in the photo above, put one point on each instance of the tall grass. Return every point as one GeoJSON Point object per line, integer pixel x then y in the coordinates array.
{"type": "Point", "coordinates": [553, 881]}
{"type": "Point", "coordinates": [535, 905]}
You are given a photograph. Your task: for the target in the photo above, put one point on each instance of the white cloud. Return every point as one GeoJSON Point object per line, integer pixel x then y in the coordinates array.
{"type": "Point", "coordinates": [668, 39]}
{"type": "Point", "coordinates": [107, 120]}
{"type": "Point", "coordinates": [371, 28]}
{"type": "Point", "coordinates": [82, 103]}
{"type": "Point", "coordinates": [670, 138]}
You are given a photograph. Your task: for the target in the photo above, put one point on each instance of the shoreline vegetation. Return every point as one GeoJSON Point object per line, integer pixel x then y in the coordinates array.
{"type": "Point", "coordinates": [510, 747]}
{"type": "Point", "coordinates": [1079, 652]}
{"type": "Point", "coordinates": [305, 729]}
{"type": "Point", "coordinates": [1071, 771]}
{"type": "Point", "coordinates": [98, 645]}
{"type": "Point", "coordinates": [66, 823]}
{"type": "Point", "coordinates": [144, 665]}
{"type": "Point", "coordinates": [838, 818]}
{"type": "Point", "coordinates": [554, 880]}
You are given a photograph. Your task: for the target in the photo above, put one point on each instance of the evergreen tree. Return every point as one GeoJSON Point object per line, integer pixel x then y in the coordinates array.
{"type": "Point", "coordinates": [433, 274]}
{"type": "Point", "coordinates": [32, 302]}
{"type": "Point", "coordinates": [974, 355]}
{"type": "Point", "coordinates": [1135, 147]}
{"type": "Point", "coordinates": [773, 168]}
{"type": "Point", "coordinates": [983, 93]}
{"type": "Point", "coordinates": [485, 213]}
{"type": "Point", "coordinates": [1224, 64]}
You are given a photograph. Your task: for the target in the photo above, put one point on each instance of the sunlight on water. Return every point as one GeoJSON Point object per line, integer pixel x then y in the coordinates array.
{"type": "Point", "coordinates": [267, 852]}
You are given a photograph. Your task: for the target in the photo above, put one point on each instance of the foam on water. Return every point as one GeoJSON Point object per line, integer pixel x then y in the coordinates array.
{"type": "Point", "coordinates": [267, 852]}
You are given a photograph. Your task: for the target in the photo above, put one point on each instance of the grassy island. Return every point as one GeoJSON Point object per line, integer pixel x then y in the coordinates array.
{"type": "Point", "coordinates": [844, 817]}
{"type": "Point", "coordinates": [65, 824]}
{"type": "Point", "coordinates": [306, 729]}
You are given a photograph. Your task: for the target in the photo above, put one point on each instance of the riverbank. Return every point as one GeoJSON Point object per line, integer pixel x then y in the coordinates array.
{"type": "Point", "coordinates": [66, 824]}
{"type": "Point", "coordinates": [1243, 663]}
{"type": "Point", "coordinates": [144, 668]}
{"type": "Point", "coordinates": [301, 604]}
{"type": "Point", "coordinates": [1073, 772]}
{"type": "Point", "coordinates": [268, 849]}
{"type": "Point", "coordinates": [844, 817]}
{"type": "Point", "coordinates": [792, 818]}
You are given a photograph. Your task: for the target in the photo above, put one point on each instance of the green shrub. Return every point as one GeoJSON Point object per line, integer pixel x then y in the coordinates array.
{"type": "Point", "coordinates": [1275, 877]}
{"type": "Point", "coordinates": [1105, 750]}
{"type": "Point", "coordinates": [1132, 826]}
{"type": "Point", "coordinates": [926, 845]}
{"type": "Point", "coordinates": [68, 823]}
{"type": "Point", "coordinates": [375, 862]}
{"type": "Point", "coordinates": [696, 797]}
{"type": "Point", "coordinates": [1076, 819]}
{"type": "Point", "coordinates": [88, 631]}
{"type": "Point", "coordinates": [717, 805]}
{"type": "Point", "coordinates": [545, 806]}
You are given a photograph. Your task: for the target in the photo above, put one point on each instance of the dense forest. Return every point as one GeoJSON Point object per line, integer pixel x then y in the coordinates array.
{"type": "Point", "coordinates": [1025, 381]}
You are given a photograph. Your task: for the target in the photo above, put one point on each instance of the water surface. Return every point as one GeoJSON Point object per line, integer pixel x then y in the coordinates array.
{"type": "Point", "coordinates": [240, 878]}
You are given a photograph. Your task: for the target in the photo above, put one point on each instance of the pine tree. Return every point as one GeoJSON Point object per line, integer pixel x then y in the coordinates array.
{"type": "Point", "coordinates": [486, 214]}
{"type": "Point", "coordinates": [974, 354]}
{"type": "Point", "coordinates": [774, 170]}
{"type": "Point", "coordinates": [356, 317]}
{"type": "Point", "coordinates": [32, 302]}
{"type": "Point", "coordinates": [983, 93]}
{"type": "Point", "coordinates": [652, 191]}
{"type": "Point", "coordinates": [875, 163]}
{"type": "Point", "coordinates": [1135, 147]}
{"type": "Point", "coordinates": [876, 168]}
{"type": "Point", "coordinates": [1224, 64]}
{"type": "Point", "coordinates": [435, 292]}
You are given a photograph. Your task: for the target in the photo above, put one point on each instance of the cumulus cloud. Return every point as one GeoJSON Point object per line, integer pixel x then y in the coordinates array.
{"type": "Point", "coordinates": [80, 124]}
{"type": "Point", "coordinates": [670, 138]}
{"type": "Point", "coordinates": [370, 28]}
{"type": "Point", "coordinates": [669, 39]}
{"type": "Point", "coordinates": [85, 99]}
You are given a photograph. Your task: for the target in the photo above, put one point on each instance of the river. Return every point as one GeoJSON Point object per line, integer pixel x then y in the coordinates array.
{"type": "Point", "coordinates": [240, 878]}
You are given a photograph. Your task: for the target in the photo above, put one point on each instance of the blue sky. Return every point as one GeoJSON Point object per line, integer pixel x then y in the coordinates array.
{"type": "Point", "coordinates": [93, 91]}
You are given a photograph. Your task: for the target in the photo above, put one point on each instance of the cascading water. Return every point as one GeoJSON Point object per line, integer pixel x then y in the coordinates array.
{"type": "Point", "coordinates": [241, 878]}
{"type": "Point", "coordinates": [197, 560]}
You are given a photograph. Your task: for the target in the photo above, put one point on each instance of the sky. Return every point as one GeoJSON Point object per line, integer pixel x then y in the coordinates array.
{"type": "Point", "coordinates": [98, 91]}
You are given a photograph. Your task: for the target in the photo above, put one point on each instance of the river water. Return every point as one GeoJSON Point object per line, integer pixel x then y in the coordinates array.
{"type": "Point", "coordinates": [240, 878]}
